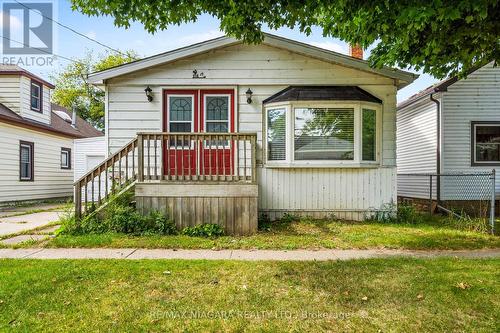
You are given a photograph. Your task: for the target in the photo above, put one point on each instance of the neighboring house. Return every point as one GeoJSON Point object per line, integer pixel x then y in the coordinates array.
{"type": "Point", "coordinates": [36, 139]}
{"type": "Point", "coordinates": [88, 153]}
{"type": "Point", "coordinates": [318, 129]}
{"type": "Point", "coordinates": [468, 111]}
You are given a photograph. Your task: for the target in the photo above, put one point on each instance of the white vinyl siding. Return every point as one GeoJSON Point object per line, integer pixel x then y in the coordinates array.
{"type": "Point", "coordinates": [49, 180]}
{"type": "Point", "coordinates": [26, 111]}
{"type": "Point", "coordinates": [476, 98]}
{"type": "Point", "coordinates": [416, 147]}
{"type": "Point", "coordinates": [10, 86]}
{"type": "Point", "coordinates": [88, 153]}
{"type": "Point", "coordinates": [265, 70]}
{"type": "Point", "coordinates": [350, 193]}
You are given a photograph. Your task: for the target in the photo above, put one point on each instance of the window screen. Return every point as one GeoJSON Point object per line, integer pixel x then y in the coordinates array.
{"type": "Point", "coordinates": [369, 120]}
{"type": "Point", "coordinates": [26, 161]}
{"type": "Point", "coordinates": [276, 135]}
{"type": "Point", "coordinates": [36, 90]}
{"type": "Point", "coordinates": [324, 134]}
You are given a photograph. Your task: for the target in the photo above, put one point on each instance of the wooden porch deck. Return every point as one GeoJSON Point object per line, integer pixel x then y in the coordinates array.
{"type": "Point", "coordinates": [195, 178]}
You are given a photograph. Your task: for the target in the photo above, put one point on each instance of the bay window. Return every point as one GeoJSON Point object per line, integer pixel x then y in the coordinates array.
{"type": "Point", "coordinates": [321, 133]}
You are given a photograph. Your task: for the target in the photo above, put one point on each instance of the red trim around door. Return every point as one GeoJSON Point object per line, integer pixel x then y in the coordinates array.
{"type": "Point", "coordinates": [220, 160]}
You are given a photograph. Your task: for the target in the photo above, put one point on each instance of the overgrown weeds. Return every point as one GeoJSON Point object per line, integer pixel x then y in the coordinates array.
{"type": "Point", "coordinates": [209, 230]}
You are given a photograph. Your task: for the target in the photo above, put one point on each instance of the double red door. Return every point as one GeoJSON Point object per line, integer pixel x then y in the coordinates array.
{"type": "Point", "coordinates": [198, 111]}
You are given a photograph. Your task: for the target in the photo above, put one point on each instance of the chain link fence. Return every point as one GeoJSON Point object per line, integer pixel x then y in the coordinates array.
{"type": "Point", "coordinates": [463, 195]}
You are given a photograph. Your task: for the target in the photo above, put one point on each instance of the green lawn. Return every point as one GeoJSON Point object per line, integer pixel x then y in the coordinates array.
{"type": "Point", "coordinates": [304, 234]}
{"type": "Point", "coordinates": [404, 295]}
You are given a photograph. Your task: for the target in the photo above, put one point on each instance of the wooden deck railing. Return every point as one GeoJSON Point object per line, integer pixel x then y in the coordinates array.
{"type": "Point", "coordinates": [110, 177]}
{"type": "Point", "coordinates": [197, 157]}
{"type": "Point", "coordinates": [184, 157]}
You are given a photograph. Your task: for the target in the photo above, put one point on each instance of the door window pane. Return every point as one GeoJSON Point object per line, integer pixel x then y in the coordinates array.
{"type": "Point", "coordinates": [369, 135]}
{"type": "Point", "coordinates": [276, 135]}
{"type": "Point", "coordinates": [217, 107]}
{"type": "Point", "coordinates": [180, 127]}
{"type": "Point", "coordinates": [487, 143]}
{"type": "Point", "coordinates": [217, 114]}
{"type": "Point", "coordinates": [180, 108]}
{"type": "Point", "coordinates": [324, 134]}
{"type": "Point", "coordinates": [217, 127]}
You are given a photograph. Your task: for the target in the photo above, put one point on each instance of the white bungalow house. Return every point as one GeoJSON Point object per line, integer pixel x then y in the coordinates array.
{"type": "Point", "coordinates": [450, 127]}
{"type": "Point", "coordinates": [219, 131]}
{"type": "Point", "coordinates": [36, 139]}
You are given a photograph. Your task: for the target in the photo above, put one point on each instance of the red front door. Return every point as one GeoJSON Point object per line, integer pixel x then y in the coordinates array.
{"type": "Point", "coordinates": [180, 116]}
{"type": "Point", "coordinates": [193, 111]}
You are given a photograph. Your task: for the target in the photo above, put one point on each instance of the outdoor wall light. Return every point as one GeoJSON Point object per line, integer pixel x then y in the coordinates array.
{"type": "Point", "coordinates": [249, 93]}
{"type": "Point", "coordinates": [149, 94]}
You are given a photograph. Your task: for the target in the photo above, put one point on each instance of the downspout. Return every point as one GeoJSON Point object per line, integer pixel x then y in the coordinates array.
{"type": "Point", "coordinates": [438, 149]}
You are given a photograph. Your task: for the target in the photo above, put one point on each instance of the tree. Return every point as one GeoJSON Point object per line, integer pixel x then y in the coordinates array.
{"type": "Point", "coordinates": [72, 89]}
{"type": "Point", "coordinates": [440, 37]}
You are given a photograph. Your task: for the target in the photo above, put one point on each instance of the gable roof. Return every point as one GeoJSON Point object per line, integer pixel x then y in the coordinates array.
{"type": "Point", "coordinates": [8, 69]}
{"type": "Point", "coordinates": [57, 126]}
{"type": "Point", "coordinates": [324, 93]}
{"type": "Point", "coordinates": [403, 77]}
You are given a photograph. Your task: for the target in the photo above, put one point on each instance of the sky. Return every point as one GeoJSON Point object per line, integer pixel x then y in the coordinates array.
{"type": "Point", "coordinates": [70, 45]}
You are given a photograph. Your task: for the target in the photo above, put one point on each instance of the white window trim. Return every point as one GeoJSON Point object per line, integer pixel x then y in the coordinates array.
{"type": "Point", "coordinates": [476, 163]}
{"type": "Point", "coordinates": [205, 121]}
{"type": "Point", "coordinates": [290, 162]}
{"type": "Point", "coordinates": [170, 121]}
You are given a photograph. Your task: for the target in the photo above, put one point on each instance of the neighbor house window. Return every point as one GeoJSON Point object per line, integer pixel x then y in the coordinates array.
{"type": "Point", "coordinates": [65, 158]}
{"type": "Point", "coordinates": [485, 143]}
{"type": "Point", "coordinates": [276, 134]}
{"type": "Point", "coordinates": [36, 96]}
{"type": "Point", "coordinates": [322, 134]}
{"type": "Point", "coordinates": [368, 135]}
{"type": "Point", "coordinates": [26, 161]}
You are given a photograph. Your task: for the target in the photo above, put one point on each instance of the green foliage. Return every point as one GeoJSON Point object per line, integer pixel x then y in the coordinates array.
{"type": "Point", "coordinates": [439, 37]}
{"type": "Point", "coordinates": [264, 222]}
{"type": "Point", "coordinates": [120, 216]}
{"type": "Point", "coordinates": [408, 214]}
{"type": "Point", "coordinates": [72, 89]}
{"type": "Point", "coordinates": [289, 218]}
{"type": "Point", "coordinates": [204, 230]}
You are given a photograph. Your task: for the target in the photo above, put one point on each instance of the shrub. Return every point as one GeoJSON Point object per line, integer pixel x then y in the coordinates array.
{"type": "Point", "coordinates": [120, 216]}
{"type": "Point", "coordinates": [408, 214]}
{"type": "Point", "coordinates": [289, 218]}
{"type": "Point", "coordinates": [264, 222]}
{"type": "Point", "coordinates": [204, 230]}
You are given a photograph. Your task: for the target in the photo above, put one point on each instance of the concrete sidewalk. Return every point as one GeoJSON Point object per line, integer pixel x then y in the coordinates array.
{"type": "Point", "coordinates": [16, 224]}
{"type": "Point", "coordinates": [248, 255]}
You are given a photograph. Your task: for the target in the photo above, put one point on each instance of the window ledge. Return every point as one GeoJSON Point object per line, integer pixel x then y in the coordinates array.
{"type": "Point", "coordinates": [314, 164]}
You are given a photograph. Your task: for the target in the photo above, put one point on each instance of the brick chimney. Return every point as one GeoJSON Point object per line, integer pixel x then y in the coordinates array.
{"type": "Point", "coordinates": [355, 51]}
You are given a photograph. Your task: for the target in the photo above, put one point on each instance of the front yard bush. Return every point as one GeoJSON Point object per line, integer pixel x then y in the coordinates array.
{"type": "Point", "coordinates": [120, 216]}
{"type": "Point", "coordinates": [204, 230]}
